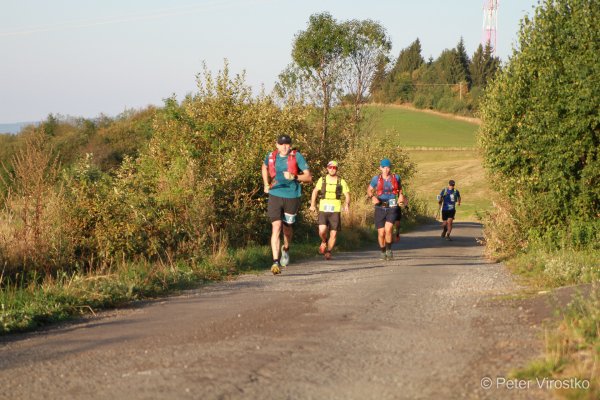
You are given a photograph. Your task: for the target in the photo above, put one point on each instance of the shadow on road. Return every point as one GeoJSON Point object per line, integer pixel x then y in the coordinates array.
{"type": "Point", "coordinates": [56, 348]}
{"type": "Point", "coordinates": [334, 271]}
{"type": "Point", "coordinates": [464, 234]}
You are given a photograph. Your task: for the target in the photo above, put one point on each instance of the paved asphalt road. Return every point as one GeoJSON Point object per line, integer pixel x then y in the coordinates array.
{"type": "Point", "coordinates": [431, 324]}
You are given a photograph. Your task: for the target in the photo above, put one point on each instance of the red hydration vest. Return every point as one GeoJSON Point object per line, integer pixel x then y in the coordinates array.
{"type": "Point", "coordinates": [292, 166]}
{"type": "Point", "coordinates": [395, 185]}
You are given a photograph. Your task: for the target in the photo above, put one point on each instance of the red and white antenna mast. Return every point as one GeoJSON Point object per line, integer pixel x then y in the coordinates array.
{"type": "Point", "coordinates": [490, 23]}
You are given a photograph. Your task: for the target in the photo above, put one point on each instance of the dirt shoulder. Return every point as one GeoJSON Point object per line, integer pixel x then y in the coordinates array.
{"type": "Point", "coordinates": [429, 324]}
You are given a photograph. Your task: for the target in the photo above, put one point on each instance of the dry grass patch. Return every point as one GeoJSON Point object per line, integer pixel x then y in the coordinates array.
{"type": "Point", "coordinates": [436, 167]}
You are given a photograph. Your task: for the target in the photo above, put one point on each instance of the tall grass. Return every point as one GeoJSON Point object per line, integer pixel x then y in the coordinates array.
{"type": "Point", "coordinates": [36, 301]}
{"type": "Point", "coordinates": [549, 255]}
{"type": "Point", "coordinates": [29, 219]}
{"type": "Point", "coordinates": [572, 348]}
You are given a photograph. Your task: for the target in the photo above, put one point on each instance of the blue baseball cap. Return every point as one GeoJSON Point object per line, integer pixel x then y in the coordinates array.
{"type": "Point", "coordinates": [385, 163]}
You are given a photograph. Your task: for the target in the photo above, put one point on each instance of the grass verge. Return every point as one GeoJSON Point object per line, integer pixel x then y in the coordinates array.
{"type": "Point", "coordinates": [572, 343]}
{"type": "Point", "coordinates": [542, 268]}
{"type": "Point", "coordinates": [571, 365]}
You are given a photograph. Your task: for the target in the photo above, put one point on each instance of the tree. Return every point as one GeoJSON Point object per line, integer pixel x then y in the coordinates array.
{"type": "Point", "coordinates": [398, 84]}
{"type": "Point", "coordinates": [51, 125]}
{"type": "Point", "coordinates": [367, 45]}
{"type": "Point", "coordinates": [447, 69]}
{"type": "Point", "coordinates": [491, 64]}
{"type": "Point", "coordinates": [319, 52]}
{"type": "Point", "coordinates": [410, 58]}
{"type": "Point", "coordinates": [477, 67]}
{"type": "Point", "coordinates": [463, 60]}
{"type": "Point", "coordinates": [483, 66]}
{"type": "Point", "coordinates": [291, 87]}
{"type": "Point", "coordinates": [379, 77]}
{"type": "Point", "coordinates": [541, 127]}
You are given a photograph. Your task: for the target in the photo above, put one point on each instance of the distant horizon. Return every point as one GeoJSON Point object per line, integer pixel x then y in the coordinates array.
{"type": "Point", "coordinates": [15, 127]}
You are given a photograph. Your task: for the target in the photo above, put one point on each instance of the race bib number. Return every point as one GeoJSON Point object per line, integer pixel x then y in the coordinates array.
{"type": "Point", "coordinates": [392, 202]}
{"type": "Point", "coordinates": [452, 197]}
{"type": "Point", "coordinates": [289, 218]}
{"type": "Point", "coordinates": [328, 208]}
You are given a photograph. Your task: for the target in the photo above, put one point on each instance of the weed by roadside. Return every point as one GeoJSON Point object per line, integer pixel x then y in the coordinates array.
{"type": "Point", "coordinates": [572, 350]}
{"type": "Point", "coordinates": [545, 268]}
{"type": "Point", "coordinates": [55, 299]}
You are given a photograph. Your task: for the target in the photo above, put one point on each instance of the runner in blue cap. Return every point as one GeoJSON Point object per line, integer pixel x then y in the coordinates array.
{"type": "Point", "coordinates": [385, 192]}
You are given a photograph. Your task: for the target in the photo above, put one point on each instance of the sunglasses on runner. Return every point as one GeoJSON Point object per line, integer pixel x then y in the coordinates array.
{"type": "Point", "coordinates": [331, 167]}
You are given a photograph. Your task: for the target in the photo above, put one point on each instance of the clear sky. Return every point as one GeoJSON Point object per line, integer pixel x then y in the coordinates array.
{"type": "Point", "coordinates": [86, 57]}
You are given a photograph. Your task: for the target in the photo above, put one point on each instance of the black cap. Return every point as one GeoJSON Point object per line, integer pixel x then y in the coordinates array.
{"type": "Point", "coordinates": [284, 139]}
{"type": "Point", "coordinates": [450, 182]}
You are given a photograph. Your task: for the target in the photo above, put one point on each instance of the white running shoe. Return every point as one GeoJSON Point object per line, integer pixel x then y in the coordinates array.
{"type": "Point", "coordinates": [285, 257]}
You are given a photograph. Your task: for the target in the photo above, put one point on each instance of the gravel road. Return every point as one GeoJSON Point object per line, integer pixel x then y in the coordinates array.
{"type": "Point", "coordinates": [431, 324]}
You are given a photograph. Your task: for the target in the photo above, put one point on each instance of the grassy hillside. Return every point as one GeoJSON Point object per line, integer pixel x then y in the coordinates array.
{"type": "Point", "coordinates": [418, 128]}
{"type": "Point", "coordinates": [443, 148]}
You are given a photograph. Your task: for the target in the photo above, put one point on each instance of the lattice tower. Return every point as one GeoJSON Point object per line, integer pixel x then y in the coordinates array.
{"type": "Point", "coordinates": [490, 23]}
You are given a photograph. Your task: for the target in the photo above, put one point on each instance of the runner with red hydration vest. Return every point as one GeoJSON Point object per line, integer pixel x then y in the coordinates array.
{"type": "Point", "coordinates": [282, 171]}
{"type": "Point", "coordinates": [385, 192]}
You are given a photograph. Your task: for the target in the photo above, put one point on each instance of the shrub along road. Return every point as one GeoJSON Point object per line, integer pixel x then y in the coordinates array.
{"type": "Point", "coordinates": [432, 323]}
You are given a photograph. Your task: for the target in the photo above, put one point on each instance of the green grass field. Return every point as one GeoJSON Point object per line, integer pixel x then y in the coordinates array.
{"type": "Point", "coordinates": [414, 128]}
{"type": "Point", "coordinates": [443, 148]}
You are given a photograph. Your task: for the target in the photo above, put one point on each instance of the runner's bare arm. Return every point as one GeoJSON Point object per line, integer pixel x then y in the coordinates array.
{"type": "Point", "coordinates": [371, 195]}
{"type": "Point", "coordinates": [265, 177]}
{"type": "Point", "coordinates": [347, 202]}
{"type": "Point", "coordinates": [313, 199]}
{"type": "Point", "coordinates": [369, 191]}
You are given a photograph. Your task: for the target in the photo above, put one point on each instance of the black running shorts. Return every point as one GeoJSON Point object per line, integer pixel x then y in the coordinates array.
{"type": "Point", "coordinates": [283, 209]}
{"type": "Point", "coordinates": [385, 214]}
{"type": "Point", "coordinates": [448, 214]}
{"type": "Point", "coordinates": [332, 219]}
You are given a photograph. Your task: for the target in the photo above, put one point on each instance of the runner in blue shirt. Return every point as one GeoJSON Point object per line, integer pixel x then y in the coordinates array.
{"type": "Point", "coordinates": [385, 192]}
{"type": "Point", "coordinates": [448, 199]}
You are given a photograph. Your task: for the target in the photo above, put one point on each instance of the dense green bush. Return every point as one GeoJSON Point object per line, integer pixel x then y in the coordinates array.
{"type": "Point", "coordinates": [541, 127]}
{"type": "Point", "coordinates": [193, 190]}
{"type": "Point", "coordinates": [540, 136]}
{"type": "Point", "coordinates": [117, 138]}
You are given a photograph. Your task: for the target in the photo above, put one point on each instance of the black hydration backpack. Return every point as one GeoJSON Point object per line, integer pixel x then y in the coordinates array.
{"type": "Point", "coordinates": [338, 187]}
